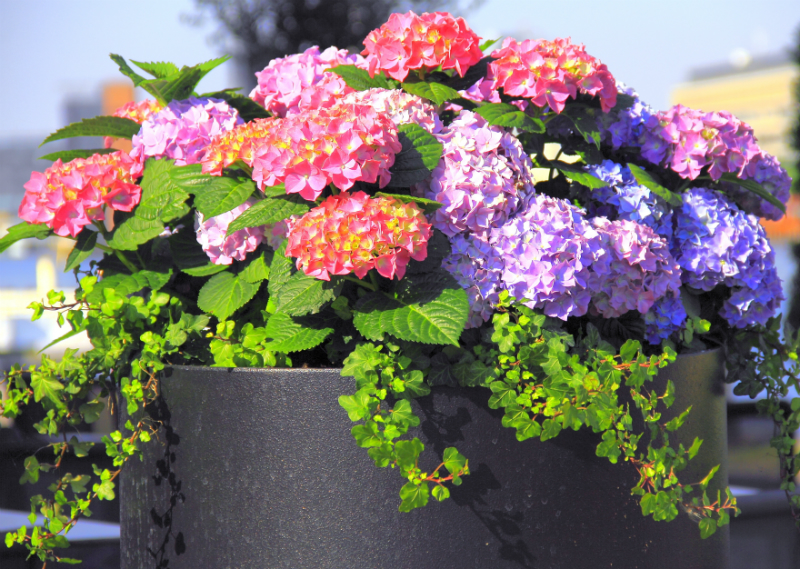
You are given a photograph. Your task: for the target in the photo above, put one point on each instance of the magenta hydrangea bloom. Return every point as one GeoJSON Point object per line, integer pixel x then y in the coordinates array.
{"type": "Point", "coordinates": [224, 250]}
{"type": "Point", "coordinates": [282, 83]}
{"type": "Point", "coordinates": [183, 129]}
{"type": "Point", "coordinates": [401, 107]}
{"type": "Point", "coordinates": [483, 178]}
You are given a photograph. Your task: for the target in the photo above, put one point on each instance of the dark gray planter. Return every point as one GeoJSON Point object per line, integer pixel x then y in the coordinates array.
{"type": "Point", "coordinates": [257, 468]}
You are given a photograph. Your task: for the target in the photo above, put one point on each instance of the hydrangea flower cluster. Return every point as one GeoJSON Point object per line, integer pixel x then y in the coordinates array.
{"type": "Point", "coordinates": [633, 268]}
{"type": "Point", "coordinates": [67, 197]}
{"type": "Point", "coordinates": [282, 84]}
{"type": "Point", "coordinates": [355, 233]}
{"type": "Point", "coordinates": [222, 249]}
{"type": "Point", "coordinates": [234, 145]}
{"type": "Point", "coordinates": [183, 129]}
{"type": "Point", "coordinates": [483, 178]}
{"type": "Point", "coordinates": [687, 141]}
{"type": "Point", "coordinates": [137, 112]}
{"type": "Point", "coordinates": [625, 198]}
{"type": "Point", "coordinates": [667, 315]}
{"type": "Point", "coordinates": [623, 127]}
{"type": "Point", "coordinates": [550, 72]}
{"type": "Point", "coordinates": [717, 243]}
{"type": "Point", "coordinates": [408, 41]}
{"type": "Point", "coordinates": [401, 107]}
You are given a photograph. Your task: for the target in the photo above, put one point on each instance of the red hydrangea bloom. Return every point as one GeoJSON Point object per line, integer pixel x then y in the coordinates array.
{"type": "Point", "coordinates": [408, 41]}
{"type": "Point", "coordinates": [550, 72]}
{"type": "Point", "coordinates": [66, 197]}
{"type": "Point", "coordinates": [355, 233]}
{"type": "Point", "coordinates": [137, 112]}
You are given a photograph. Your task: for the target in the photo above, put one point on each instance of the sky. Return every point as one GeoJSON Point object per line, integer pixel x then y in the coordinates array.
{"type": "Point", "coordinates": [54, 49]}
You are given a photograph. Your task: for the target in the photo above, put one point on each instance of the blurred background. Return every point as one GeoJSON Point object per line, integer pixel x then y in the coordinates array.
{"type": "Point", "coordinates": [706, 54]}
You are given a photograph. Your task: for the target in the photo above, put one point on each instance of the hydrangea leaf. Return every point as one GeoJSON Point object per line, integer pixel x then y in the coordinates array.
{"type": "Point", "coordinates": [247, 107]}
{"type": "Point", "coordinates": [289, 334]}
{"type": "Point", "coordinates": [420, 154]}
{"type": "Point", "coordinates": [257, 270]}
{"type": "Point", "coordinates": [158, 69]}
{"type": "Point", "coordinates": [360, 80]}
{"type": "Point", "coordinates": [302, 294]}
{"type": "Point", "coordinates": [127, 70]}
{"type": "Point", "coordinates": [24, 230]}
{"type": "Point", "coordinates": [756, 188]}
{"type": "Point", "coordinates": [431, 309]}
{"type": "Point", "coordinates": [67, 155]}
{"type": "Point", "coordinates": [585, 120]}
{"type": "Point", "coordinates": [189, 178]}
{"type": "Point", "coordinates": [116, 127]}
{"type": "Point", "coordinates": [173, 87]}
{"type": "Point", "coordinates": [427, 206]}
{"type": "Point", "coordinates": [646, 179]}
{"type": "Point", "coordinates": [269, 211]}
{"type": "Point", "coordinates": [509, 116]}
{"type": "Point", "coordinates": [574, 172]}
{"type": "Point", "coordinates": [224, 294]}
{"type": "Point", "coordinates": [204, 270]}
{"type": "Point", "coordinates": [432, 91]}
{"type": "Point", "coordinates": [280, 270]}
{"type": "Point", "coordinates": [83, 248]}
{"type": "Point", "coordinates": [221, 195]}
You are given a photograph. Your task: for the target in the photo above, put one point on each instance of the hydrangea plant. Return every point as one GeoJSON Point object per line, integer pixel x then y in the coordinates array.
{"type": "Point", "coordinates": [428, 212]}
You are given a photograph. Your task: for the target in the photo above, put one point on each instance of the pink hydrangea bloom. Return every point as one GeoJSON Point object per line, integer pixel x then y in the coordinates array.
{"type": "Point", "coordinates": [548, 73]}
{"type": "Point", "coordinates": [137, 112]}
{"type": "Point", "coordinates": [356, 233]}
{"type": "Point", "coordinates": [283, 83]}
{"type": "Point", "coordinates": [67, 197]}
{"type": "Point", "coordinates": [222, 249]}
{"type": "Point", "coordinates": [183, 129]}
{"type": "Point", "coordinates": [401, 107]}
{"type": "Point", "coordinates": [408, 41]}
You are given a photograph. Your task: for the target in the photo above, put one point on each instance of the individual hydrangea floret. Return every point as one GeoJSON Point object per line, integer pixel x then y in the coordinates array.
{"type": "Point", "coordinates": [550, 72]}
{"type": "Point", "coordinates": [622, 127]}
{"type": "Point", "coordinates": [67, 197]}
{"type": "Point", "coordinates": [401, 107]}
{"type": "Point", "coordinates": [137, 112]}
{"type": "Point", "coordinates": [482, 179]}
{"type": "Point", "coordinates": [632, 268]}
{"type": "Point", "coordinates": [222, 249]}
{"type": "Point", "coordinates": [356, 233]}
{"type": "Point", "coordinates": [284, 81]}
{"type": "Point", "coordinates": [408, 41]}
{"type": "Point", "coordinates": [625, 198]}
{"type": "Point", "coordinates": [183, 130]}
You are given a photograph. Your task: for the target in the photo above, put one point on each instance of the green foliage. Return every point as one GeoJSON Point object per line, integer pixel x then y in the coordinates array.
{"type": "Point", "coordinates": [419, 156]}
{"type": "Point", "coordinates": [224, 294]}
{"type": "Point", "coordinates": [509, 116]}
{"type": "Point", "coordinates": [646, 179]}
{"type": "Point", "coordinates": [98, 126]}
{"type": "Point", "coordinates": [269, 211]}
{"type": "Point", "coordinates": [67, 155]}
{"type": "Point", "coordinates": [360, 79]}
{"type": "Point", "coordinates": [755, 187]}
{"type": "Point", "coordinates": [22, 231]}
{"type": "Point", "coordinates": [248, 109]}
{"type": "Point", "coordinates": [436, 93]}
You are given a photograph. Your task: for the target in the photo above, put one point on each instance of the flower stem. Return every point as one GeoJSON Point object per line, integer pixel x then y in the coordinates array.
{"type": "Point", "coordinates": [359, 282]}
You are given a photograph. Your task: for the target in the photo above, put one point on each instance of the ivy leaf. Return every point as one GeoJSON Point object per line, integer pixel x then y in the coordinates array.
{"type": "Point", "coordinates": [224, 294]}
{"type": "Point", "coordinates": [413, 496]}
{"type": "Point", "coordinates": [434, 92]}
{"type": "Point", "coordinates": [420, 154]}
{"type": "Point", "coordinates": [454, 461]}
{"type": "Point", "coordinates": [441, 493]}
{"type": "Point", "coordinates": [269, 211]}
{"type": "Point", "coordinates": [248, 109]}
{"type": "Point", "coordinates": [360, 80]}
{"type": "Point", "coordinates": [646, 179]}
{"type": "Point", "coordinates": [403, 414]}
{"type": "Point", "coordinates": [756, 188]}
{"type": "Point", "coordinates": [407, 453]}
{"type": "Point", "coordinates": [116, 127]}
{"type": "Point", "coordinates": [550, 429]}
{"type": "Point", "coordinates": [509, 116]}
{"type": "Point", "coordinates": [431, 309]}
{"type": "Point", "coordinates": [22, 231]}
{"type": "Point", "coordinates": [221, 195]}
{"type": "Point", "coordinates": [83, 248]}
{"type": "Point", "coordinates": [125, 285]}
{"type": "Point", "coordinates": [708, 527]}
{"type": "Point", "coordinates": [67, 155]}
{"type": "Point", "coordinates": [46, 386]}
{"type": "Point", "coordinates": [289, 334]}
{"type": "Point", "coordinates": [367, 435]}
{"type": "Point", "coordinates": [357, 405]}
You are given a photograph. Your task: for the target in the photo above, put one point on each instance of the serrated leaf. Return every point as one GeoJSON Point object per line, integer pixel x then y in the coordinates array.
{"type": "Point", "coordinates": [432, 91]}
{"type": "Point", "coordinates": [248, 109]}
{"type": "Point", "coordinates": [420, 154]}
{"type": "Point", "coordinates": [189, 177]}
{"type": "Point", "coordinates": [360, 80]}
{"type": "Point", "coordinates": [425, 205]}
{"type": "Point", "coordinates": [24, 230]}
{"type": "Point", "coordinates": [135, 231]}
{"type": "Point", "coordinates": [280, 270]}
{"type": "Point", "coordinates": [116, 127]}
{"type": "Point", "coordinates": [258, 269]}
{"type": "Point", "coordinates": [585, 121]}
{"type": "Point", "coordinates": [126, 69]}
{"type": "Point", "coordinates": [574, 172]}
{"type": "Point", "coordinates": [221, 195]}
{"type": "Point", "coordinates": [207, 66]}
{"type": "Point", "coordinates": [82, 250]}
{"type": "Point", "coordinates": [289, 334]}
{"type": "Point", "coordinates": [269, 211]}
{"type": "Point", "coordinates": [646, 179]}
{"type": "Point", "coordinates": [756, 188]}
{"type": "Point", "coordinates": [302, 294]}
{"type": "Point", "coordinates": [204, 270]}
{"type": "Point", "coordinates": [67, 155]}
{"type": "Point", "coordinates": [158, 69]}
{"type": "Point", "coordinates": [224, 294]}
{"type": "Point", "coordinates": [509, 116]}
{"type": "Point", "coordinates": [431, 309]}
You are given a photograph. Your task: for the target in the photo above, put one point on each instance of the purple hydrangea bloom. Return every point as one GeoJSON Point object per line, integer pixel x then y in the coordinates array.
{"type": "Point", "coordinates": [632, 268]}
{"type": "Point", "coordinates": [623, 127]}
{"type": "Point", "coordinates": [749, 306]}
{"type": "Point", "coordinates": [667, 315]}
{"type": "Point", "coordinates": [624, 198]}
{"type": "Point", "coordinates": [183, 129]}
{"type": "Point", "coordinates": [224, 250]}
{"type": "Point", "coordinates": [483, 178]}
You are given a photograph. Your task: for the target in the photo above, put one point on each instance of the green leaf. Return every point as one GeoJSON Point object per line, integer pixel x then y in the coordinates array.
{"type": "Point", "coordinates": [434, 92]}
{"type": "Point", "coordinates": [358, 405]}
{"type": "Point", "coordinates": [248, 109]}
{"type": "Point", "coordinates": [67, 155]}
{"type": "Point", "coordinates": [207, 66]}
{"type": "Point", "coordinates": [280, 270]}
{"type": "Point", "coordinates": [84, 246]}
{"type": "Point", "coordinates": [257, 270]}
{"type": "Point", "coordinates": [440, 493]}
{"type": "Point", "coordinates": [367, 436]}
{"type": "Point", "coordinates": [407, 453]}
{"type": "Point", "coordinates": [116, 127]}
{"type": "Point", "coordinates": [105, 490]}
{"type": "Point", "coordinates": [429, 308]}
{"type": "Point", "coordinates": [224, 294]}
{"type": "Point", "coordinates": [413, 496]}
{"type": "Point", "coordinates": [550, 429]}
{"type": "Point", "coordinates": [289, 334]}
{"type": "Point", "coordinates": [126, 285]}
{"type": "Point", "coordinates": [24, 230]}
{"type": "Point", "coordinates": [174, 87]}
{"type": "Point", "coordinates": [708, 527]}
{"type": "Point", "coordinates": [403, 414]}
{"type": "Point", "coordinates": [585, 120]}
{"type": "Point", "coordinates": [189, 177]}
{"type": "Point", "coordinates": [454, 461]}
{"type": "Point", "coordinates": [574, 172]}
{"type": "Point", "coordinates": [269, 211]}
{"type": "Point", "coordinates": [127, 70]}
{"type": "Point", "coordinates": [425, 205]}
{"type": "Point", "coordinates": [157, 69]}
{"type": "Point", "coordinates": [302, 294]}
{"type": "Point", "coordinates": [756, 188]}
{"type": "Point", "coordinates": [221, 195]}
{"type": "Point", "coordinates": [420, 154]}
{"type": "Point", "coordinates": [133, 232]}
{"type": "Point", "coordinates": [509, 116]}
{"type": "Point", "coordinates": [646, 179]}
{"type": "Point", "coordinates": [205, 270]}
{"type": "Point", "coordinates": [360, 80]}
{"type": "Point", "coordinates": [31, 473]}
{"type": "Point", "coordinates": [45, 386]}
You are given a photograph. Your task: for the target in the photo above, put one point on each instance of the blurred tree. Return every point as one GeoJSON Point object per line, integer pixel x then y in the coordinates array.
{"type": "Point", "coordinates": [262, 30]}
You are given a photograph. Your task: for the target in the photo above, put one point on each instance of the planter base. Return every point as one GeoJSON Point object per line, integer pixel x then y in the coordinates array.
{"type": "Point", "coordinates": [257, 468]}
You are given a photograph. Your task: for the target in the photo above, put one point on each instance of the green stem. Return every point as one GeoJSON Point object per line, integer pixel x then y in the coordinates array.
{"type": "Point", "coordinates": [374, 278]}
{"type": "Point", "coordinates": [359, 282]}
{"type": "Point", "coordinates": [123, 259]}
